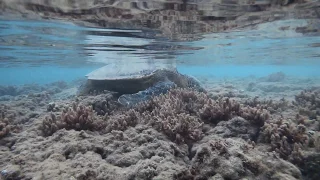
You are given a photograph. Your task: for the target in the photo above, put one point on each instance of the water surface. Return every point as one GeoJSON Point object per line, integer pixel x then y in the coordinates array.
{"type": "Point", "coordinates": [46, 51]}
{"type": "Point", "coordinates": [44, 41]}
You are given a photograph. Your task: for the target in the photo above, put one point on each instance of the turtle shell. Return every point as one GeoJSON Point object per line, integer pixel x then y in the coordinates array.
{"type": "Point", "coordinates": [124, 78]}
{"type": "Point", "coordinates": [124, 71]}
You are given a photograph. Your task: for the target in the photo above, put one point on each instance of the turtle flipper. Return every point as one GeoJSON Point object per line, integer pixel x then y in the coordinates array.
{"type": "Point", "coordinates": [130, 100]}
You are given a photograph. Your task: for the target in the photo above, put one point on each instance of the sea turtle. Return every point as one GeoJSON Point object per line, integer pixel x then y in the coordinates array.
{"type": "Point", "coordinates": [137, 82]}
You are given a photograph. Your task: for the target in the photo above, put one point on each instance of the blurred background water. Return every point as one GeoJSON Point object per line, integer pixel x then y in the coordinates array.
{"type": "Point", "coordinates": [43, 51]}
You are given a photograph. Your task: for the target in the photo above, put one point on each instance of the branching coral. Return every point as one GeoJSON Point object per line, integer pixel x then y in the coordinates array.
{"type": "Point", "coordinates": [225, 109]}
{"type": "Point", "coordinates": [270, 105]}
{"type": "Point", "coordinates": [4, 126]}
{"type": "Point", "coordinates": [181, 112]}
{"type": "Point", "coordinates": [77, 118]}
{"type": "Point", "coordinates": [286, 138]}
{"type": "Point", "coordinates": [6, 122]}
{"type": "Point", "coordinates": [179, 127]}
{"type": "Point", "coordinates": [308, 102]}
{"type": "Point", "coordinates": [222, 109]}
{"type": "Point", "coordinates": [121, 121]}
{"type": "Point", "coordinates": [255, 115]}
{"type": "Point", "coordinates": [50, 125]}
{"type": "Point", "coordinates": [175, 114]}
{"type": "Point", "coordinates": [102, 104]}
{"type": "Point", "coordinates": [81, 118]}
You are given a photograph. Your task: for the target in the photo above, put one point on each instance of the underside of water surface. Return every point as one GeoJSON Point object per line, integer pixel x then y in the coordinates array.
{"type": "Point", "coordinates": [170, 89]}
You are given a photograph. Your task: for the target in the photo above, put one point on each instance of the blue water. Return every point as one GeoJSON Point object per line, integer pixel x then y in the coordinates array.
{"type": "Point", "coordinates": [43, 52]}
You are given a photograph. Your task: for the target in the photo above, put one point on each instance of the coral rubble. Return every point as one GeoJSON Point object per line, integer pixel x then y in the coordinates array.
{"type": "Point", "coordinates": [236, 159]}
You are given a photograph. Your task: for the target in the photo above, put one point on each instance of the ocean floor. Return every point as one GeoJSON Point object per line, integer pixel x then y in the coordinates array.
{"type": "Point", "coordinates": [242, 128]}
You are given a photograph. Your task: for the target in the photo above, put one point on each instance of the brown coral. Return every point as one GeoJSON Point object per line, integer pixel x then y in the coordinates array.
{"type": "Point", "coordinates": [271, 105]}
{"type": "Point", "coordinates": [225, 109]}
{"type": "Point", "coordinates": [50, 125]}
{"type": "Point", "coordinates": [175, 114]}
{"type": "Point", "coordinates": [222, 109]}
{"type": "Point", "coordinates": [4, 126]}
{"type": "Point", "coordinates": [78, 118]}
{"type": "Point", "coordinates": [6, 122]}
{"type": "Point", "coordinates": [308, 102]}
{"type": "Point", "coordinates": [181, 112]}
{"type": "Point", "coordinates": [81, 118]}
{"type": "Point", "coordinates": [121, 121]}
{"type": "Point", "coordinates": [286, 138]}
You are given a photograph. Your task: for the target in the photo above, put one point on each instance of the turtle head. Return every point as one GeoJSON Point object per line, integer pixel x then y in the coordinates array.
{"type": "Point", "coordinates": [84, 88]}
{"type": "Point", "coordinates": [195, 83]}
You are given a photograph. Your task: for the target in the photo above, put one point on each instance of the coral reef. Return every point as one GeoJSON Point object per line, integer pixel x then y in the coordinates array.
{"type": "Point", "coordinates": [180, 135]}
{"type": "Point", "coordinates": [311, 159]}
{"type": "Point", "coordinates": [308, 102]}
{"type": "Point", "coordinates": [141, 152]}
{"type": "Point", "coordinates": [165, 113]}
{"type": "Point", "coordinates": [225, 109]}
{"type": "Point", "coordinates": [268, 104]}
{"type": "Point", "coordinates": [181, 112]}
{"type": "Point", "coordinates": [52, 107]}
{"type": "Point", "coordinates": [310, 166]}
{"type": "Point", "coordinates": [78, 117]}
{"type": "Point", "coordinates": [286, 138]}
{"type": "Point", "coordinates": [7, 124]}
{"type": "Point", "coordinates": [121, 120]}
{"type": "Point", "coordinates": [138, 153]}
{"type": "Point", "coordinates": [81, 118]}
{"type": "Point", "coordinates": [4, 126]}
{"type": "Point", "coordinates": [39, 97]}
{"type": "Point", "coordinates": [175, 114]}
{"type": "Point", "coordinates": [236, 127]}
{"type": "Point", "coordinates": [103, 104]}
{"type": "Point", "coordinates": [235, 159]}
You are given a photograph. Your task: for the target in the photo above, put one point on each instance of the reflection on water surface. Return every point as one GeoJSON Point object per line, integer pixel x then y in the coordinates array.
{"type": "Point", "coordinates": [208, 34]}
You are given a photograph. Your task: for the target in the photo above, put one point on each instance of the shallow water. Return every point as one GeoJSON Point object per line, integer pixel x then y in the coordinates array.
{"type": "Point", "coordinates": [258, 117]}
{"type": "Point", "coordinates": [45, 51]}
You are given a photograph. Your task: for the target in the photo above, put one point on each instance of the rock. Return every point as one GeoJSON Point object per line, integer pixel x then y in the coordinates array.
{"type": "Point", "coordinates": [311, 166]}
{"type": "Point", "coordinates": [51, 106]}
{"type": "Point", "coordinates": [236, 127]}
{"type": "Point", "coordinates": [11, 172]}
